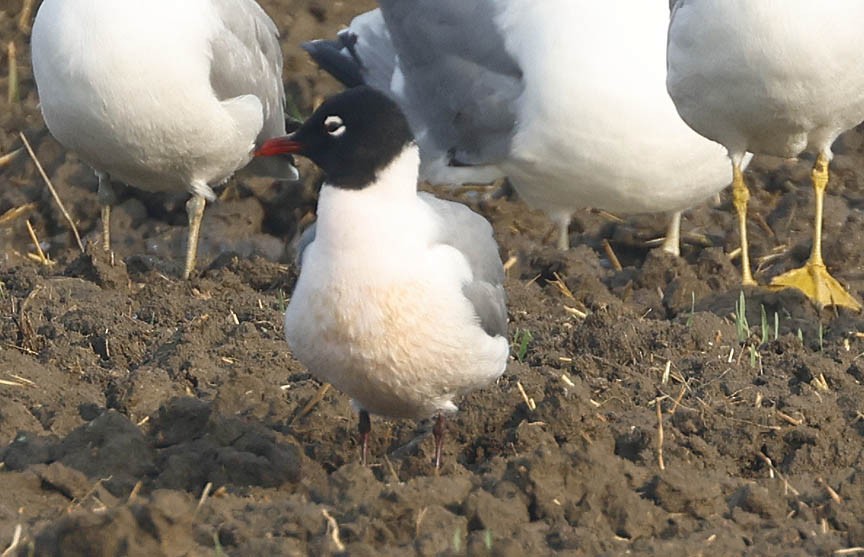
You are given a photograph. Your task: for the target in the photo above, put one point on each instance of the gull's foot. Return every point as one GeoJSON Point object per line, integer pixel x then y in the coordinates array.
{"type": "Point", "coordinates": [817, 284]}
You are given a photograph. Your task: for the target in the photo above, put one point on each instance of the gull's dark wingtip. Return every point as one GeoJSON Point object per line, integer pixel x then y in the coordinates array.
{"type": "Point", "coordinates": [332, 58]}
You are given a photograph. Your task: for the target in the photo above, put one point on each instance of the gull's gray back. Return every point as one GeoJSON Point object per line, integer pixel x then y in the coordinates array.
{"type": "Point", "coordinates": [458, 76]}
{"type": "Point", "coordinates": [247, 60]}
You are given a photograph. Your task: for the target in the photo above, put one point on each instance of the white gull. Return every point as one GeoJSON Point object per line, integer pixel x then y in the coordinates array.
{"type": "Point", "coordinates": [777, 77]}
{"type": "Point", "coordinates": [165, 96]}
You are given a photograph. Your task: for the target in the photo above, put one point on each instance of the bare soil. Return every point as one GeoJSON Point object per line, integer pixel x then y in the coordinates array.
{"type": "Point", "coordinates": [652, 423]}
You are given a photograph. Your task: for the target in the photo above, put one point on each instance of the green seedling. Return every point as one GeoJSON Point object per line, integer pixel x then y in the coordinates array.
{"type": "Point", "coordinates": [741, 325]}
{"type": "Point", "coordinates": [755, 357]}
{"type": "Point", "coordinates": [765, 328]}
{"type": "Point", "coordinates": [291, 109]}
{"type": "Point", "coordinates": [692, 309]}
{"type": "Point", "coordinates": [281, 301]}
{"type": "Point", "coordinates": [487, 539]}
{"type": "Point", "coordinates": [217, 545]}
{"type": "Point", "coordinates": [457, 540]}
{"type": "Point", "coordinates": [521, 340]}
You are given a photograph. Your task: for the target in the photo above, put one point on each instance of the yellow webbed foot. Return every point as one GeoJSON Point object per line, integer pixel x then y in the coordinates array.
{"type": "Point", "coordinates": [817, 284]}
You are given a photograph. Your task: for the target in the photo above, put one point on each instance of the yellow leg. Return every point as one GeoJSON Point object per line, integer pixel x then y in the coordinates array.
{"type": "Point", "coordinates": [672, 242]}
{"type": "Point", "coordinates": [195, 212]}
{"type": "Point", "coordinates": [740, 197]}
{"type": "Point", "coordinates": [813, 278]}
{"type": "Point", "coordinates": [106, 227]}
{"type": "Point", "coordinates": [562, 221]}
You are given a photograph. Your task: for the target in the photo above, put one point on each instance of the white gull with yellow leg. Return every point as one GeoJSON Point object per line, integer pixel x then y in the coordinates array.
{"type": "Point", "coordinates": [777, 77]}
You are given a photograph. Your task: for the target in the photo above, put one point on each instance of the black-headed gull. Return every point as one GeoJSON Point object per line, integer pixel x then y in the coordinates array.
{"type": "Point", "coordinates": [400, 300]}
{"type": "Point", "coordinates": [566, 97]}
{"type": "Point", "coordinates": [162, 95]}
{"type": "Point", "coordinates": [776, 77]}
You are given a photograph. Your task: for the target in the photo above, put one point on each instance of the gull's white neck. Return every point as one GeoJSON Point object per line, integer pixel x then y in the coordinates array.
{"type": "Point", "coordinates": [375, 215]}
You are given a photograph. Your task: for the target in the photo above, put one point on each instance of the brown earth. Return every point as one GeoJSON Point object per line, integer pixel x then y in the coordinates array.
{"type": "Point", "coordinates": [124, 391]}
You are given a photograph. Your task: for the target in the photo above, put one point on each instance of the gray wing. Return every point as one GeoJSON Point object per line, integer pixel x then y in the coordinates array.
{"type": "Point", "coordinates": [458, 76]}
{"type": "Point", "coordinates": [675, 4]}
{"type": "Point", "coordinates": [306, 238]}
{"type": "Point", "coordinates": [247, 60]}
{"type": "Point", "coordinates": [471, 234]}
{"type": "Point", "coordinates": [445, 63]}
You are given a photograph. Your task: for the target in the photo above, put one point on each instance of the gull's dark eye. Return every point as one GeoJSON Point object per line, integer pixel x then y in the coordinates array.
{"type": "Point", "coordinates": [334, 126]}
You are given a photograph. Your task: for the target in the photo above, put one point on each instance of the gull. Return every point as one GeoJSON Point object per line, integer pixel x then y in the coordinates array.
{"type": "Point", "coordinates": [165, 96]}
{"type": "Point", "coordinates": [778, 77]}
{"type": "Point", "coordinates": [565, 97]}
{"type": "Point", "coordinates": [400, 301]}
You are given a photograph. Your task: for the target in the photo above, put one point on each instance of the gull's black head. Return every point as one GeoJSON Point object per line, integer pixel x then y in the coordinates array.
{"type": "Point", "coordinates": [352, 136]}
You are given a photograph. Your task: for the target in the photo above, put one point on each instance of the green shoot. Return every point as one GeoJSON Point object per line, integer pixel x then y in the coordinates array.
{"type": "Point", "coordinates": [281, 301]}
{"type": "Point", "coordinates": [776, 326]}
{"type": "Point", "coordinates": [821, 337]}
{"type": "Point", "coordinates": [521, 339]}
{"type": "Point", "coordinates": [692, 309]}
{"type": "Point", "coordinates": [291, 108]}
{"type": "Point", "coordinates": [765, 328]}
{"type": "Point", "coordinates": [217, 545]}
{"type": "Point", "coordinates": [741, 325]}
{"type": "Point", "coordinates": [754, 355]}
{"type": "Point", "coordinates": [487, 539]}
{"type": "Point", "coordinates": [457, 540]}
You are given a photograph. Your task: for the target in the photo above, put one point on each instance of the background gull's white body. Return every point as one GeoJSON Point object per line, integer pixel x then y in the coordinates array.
{"type": "Point", "coordinates": [768, 76]}
{"type": "Point", "coordinates": [379, 309]}
{"type": "Point", "coordinates": [597, 127]}
{"type": "Point", "coordinates": [773, 77]}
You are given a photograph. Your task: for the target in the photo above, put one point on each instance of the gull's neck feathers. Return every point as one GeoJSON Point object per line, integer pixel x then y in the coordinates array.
{"type": "Point", "coordinates": [362, 220]}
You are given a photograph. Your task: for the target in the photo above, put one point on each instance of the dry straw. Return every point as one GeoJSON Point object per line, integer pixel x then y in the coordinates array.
{"type": "Point", "coordinates": [12, 91]}
{"type": "Point", "coordinates": [53, 191]}
{"type": "Point", "coordinates": [25, 19]}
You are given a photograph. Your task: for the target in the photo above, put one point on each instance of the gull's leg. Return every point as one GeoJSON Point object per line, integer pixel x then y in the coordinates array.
{"type": "Point", "coordinates": [106, 197]}
{"type": "Point", "coordinates": [562, 220]}
{"type": "Point", "coordinates": [672, 243]}
{"type": "Point", "coordinates": [813, 278]}
{"type": "Point", "coordinates": [563, 236]}
{"type": "Point", "coordinates": [195, 211]}
{"type": "Point", "coordinates": [364, 426]}
{"type": "Point", "coordinates": [740, 197]}
{"type": "Point", "coordinates": [438, 433]}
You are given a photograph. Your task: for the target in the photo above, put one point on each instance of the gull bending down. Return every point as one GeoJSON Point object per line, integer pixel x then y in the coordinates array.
{"type": "Point", "coordinates": [165, 96]}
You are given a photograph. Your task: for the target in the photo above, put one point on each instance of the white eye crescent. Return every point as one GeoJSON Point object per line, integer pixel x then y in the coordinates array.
{"type": "Point", "coordinates": [334, 126]}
